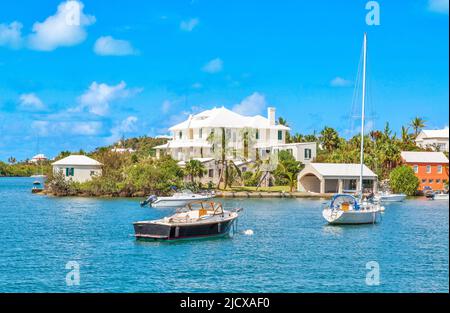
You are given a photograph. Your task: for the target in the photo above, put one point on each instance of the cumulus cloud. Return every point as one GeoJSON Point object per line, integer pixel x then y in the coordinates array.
{"type": "Point", "coordinates": [80, 128]}
{"type": "Point", "coordinates": [11, 35]}
{"type": "Point", "coordinates": [340, 82]}
{"type": "Point", "coordinates": [438, 6]}
{"type": "Point", "coordinates": [127, 125]}
{"type": "Point", "coordinates": [166, 105]}
{"type": "Point", "coordinates": [31, 101]}
{"type": "Point", "coordinates": [213, 66]}
{"type": "Point", "coordinates": [99, 96]}
{"type": "Point", "coordinates": [107, 45]}
{"type": "Point", "coordinates": [189, 25]}
{"type": "Point", "coordinates": [63, 29]}
{"type": "Point", "coordinates": [251, 105]}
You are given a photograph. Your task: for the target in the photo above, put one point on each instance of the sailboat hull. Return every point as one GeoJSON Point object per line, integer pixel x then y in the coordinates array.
{"type": "Point", "coordinates": [351, 217]}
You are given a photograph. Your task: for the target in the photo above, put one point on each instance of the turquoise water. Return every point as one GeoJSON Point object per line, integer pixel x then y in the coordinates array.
{"type": "Point", "coordinates": [291, 249]}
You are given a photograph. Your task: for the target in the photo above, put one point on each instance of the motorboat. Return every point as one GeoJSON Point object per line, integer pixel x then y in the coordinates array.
{"type": "Point", "coordinates": [177, 200]}
{"type": "Point", "coordinates": [389, 197]}
{"type": "Point", "coordinates": [37, 187]}
{"type": "Point", "coordinates": [198, 219]}
{"type": "Point", "coordinates": [440, 196]}
{"type": "Point", "coordinates": [346, 209]}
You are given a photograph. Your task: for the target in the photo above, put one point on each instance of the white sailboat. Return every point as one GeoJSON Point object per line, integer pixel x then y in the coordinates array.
{"type": "Point", "coordinates": [345, 208]}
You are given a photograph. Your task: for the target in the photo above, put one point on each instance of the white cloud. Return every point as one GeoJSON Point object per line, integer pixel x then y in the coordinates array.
{"type": "Point", "coordinates": [213, 66]}
{"type": "Point", "coordinates": [99, 96]}
{"type": "Point", "coordinates": [31, 101]}
{"type": "Point", "coordinates": [438, 6]}
{"type": "Point", "coordinates": [251, 105]}
{"type": "Point", "coordinates": [107, 45]}
{"type": "Point", "coordinates": [11, 35]}
{"type": "Point", "coordinates": [84, 128]}
{"type": "Point", "coordinates": [197, 85]}
{"type": "Point", "coordinates": [189, 25]}
{"type": "Point", "coordinates": [65, 28]}
{"type": "Point", "coordinates": [166, 105]}
{"type": "Point", "coordinates": [340, 82]}
{"type": "Point", "coordinates": [128, 125]}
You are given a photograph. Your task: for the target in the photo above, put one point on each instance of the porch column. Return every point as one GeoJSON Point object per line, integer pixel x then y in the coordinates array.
{"type": "Point", "coordinates": [340, 185]}
{"type": "Point", "coordinates": [322, 185]}
{"type": "Point", "coordinates": [375, 186]}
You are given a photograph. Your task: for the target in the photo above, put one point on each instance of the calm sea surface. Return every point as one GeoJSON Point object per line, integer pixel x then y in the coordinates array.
{"type": "Point", "coordinates": [291, 249]}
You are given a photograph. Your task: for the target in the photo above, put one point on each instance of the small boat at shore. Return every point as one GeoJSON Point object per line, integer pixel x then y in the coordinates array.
{"type": "Point", "coordinates": [389, 197]}
{"type": "Point", "coordinates": [440, 196]}
{"type": "Point", "coordinates": [37, 187]}
{"type": "Point", "coordinates": [177, 200]}
{"type": "Point", "coordinates": [197, 220]}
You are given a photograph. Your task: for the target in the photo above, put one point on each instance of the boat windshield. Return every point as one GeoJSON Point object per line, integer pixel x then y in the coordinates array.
{"type": "Point", "coordinates": [215, 207]}
{"type": "Point", "coordinates": [338, 199]}
{"type": "Point", "coordinates": [187, 191]}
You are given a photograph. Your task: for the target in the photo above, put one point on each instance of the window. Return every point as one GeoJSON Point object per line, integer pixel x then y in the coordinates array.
{"type": "Point", "coordinates": [438, 180]}
{"type": "Point", "coordinates": [430, 181]}
{"type": "Point", "coordinates": [244, 169]}
{"type": "Point", "coordinates": [307, 154]}
{"type": "Point", "coordinates": [257, 134]}
{"type": "Point", "coordinates": [200, 133]}
{"type": "Point", "coordinates": [439, 169]}
{"type": "Point", "coordinates": [280, 135]}
{"type": "Point", "coordinates": [428, 169]}
{"type": "Point", "coordinates": [69, 171]}
{"type": "Point", "coordinates": [424, 181]}
{"type": "Point", "coordinates": [92, 173]}
{"type": "Point", "coordinates": [211, 173]}
{"type": "Point", "coordinates": [416, 169]}
{"type": "Point", "coordinates": [180, 135]}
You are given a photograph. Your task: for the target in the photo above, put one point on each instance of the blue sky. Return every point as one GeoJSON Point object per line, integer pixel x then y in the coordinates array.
{"type": "Point", "coordinates": [136, 67]}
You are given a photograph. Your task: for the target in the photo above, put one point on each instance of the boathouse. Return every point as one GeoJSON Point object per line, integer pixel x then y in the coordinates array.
{"type": "Point", "coordinates": [335, 178]}
{"type": "Point", "coordinates": [78, 168]}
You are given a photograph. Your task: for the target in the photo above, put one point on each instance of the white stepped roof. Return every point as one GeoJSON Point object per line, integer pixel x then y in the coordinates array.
{"type": "Point", "coordinates": [77, 160]}
{"type": "Point", "coordinates": [222, 117]}
{"type": "Point", "coordinates": [39, 156]}
{"type": "Point", "coordinates": [435, 133]}
{"type": "Point", "coordinates": [423, 157]}
{"type": "Point", "coordinates": [342, 170]}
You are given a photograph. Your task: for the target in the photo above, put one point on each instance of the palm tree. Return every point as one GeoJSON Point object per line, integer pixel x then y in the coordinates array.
{"type": "Point", "coordinates": [417, 124]}
{"type": "Point", "coordinates": [329, 138]}
{"type": "Point", "coordinates": [297, 138]}
{"type": "Point", "coordinates": [194, 168]}
{"type": "Point", "coordinates": [282, 121]}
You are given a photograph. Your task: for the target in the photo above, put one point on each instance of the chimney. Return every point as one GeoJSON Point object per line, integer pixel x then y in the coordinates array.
{"type": "Point", "coordinates": [271, 115]}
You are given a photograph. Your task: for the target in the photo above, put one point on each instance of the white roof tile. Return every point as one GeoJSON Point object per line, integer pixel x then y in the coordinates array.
{"type": "Point", "coordinates": [77, 160]}
{"type": "Point", "coordinates": [435, 133]}
{"type": "Point", "coordinates": [342, 170]}
{"type": "Point", "coordinates": [222, 117]}
{"type": "Point", "coordinates": [423, 157]}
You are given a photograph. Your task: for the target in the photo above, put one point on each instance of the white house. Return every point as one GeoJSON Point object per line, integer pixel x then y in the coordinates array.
{"type": "Point", "coordinates": [79, 168]}
{"type": "Point", "coordinates": [38, 158]}
{"type": "Point", "coordinates": [246, 137]}
{"type": "Point", "coordinates": [334, 178]}
{"type": "Point", "coordinates": [436, 139]}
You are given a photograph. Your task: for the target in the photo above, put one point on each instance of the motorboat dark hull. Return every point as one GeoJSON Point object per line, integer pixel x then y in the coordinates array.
{"type": "Point", "coordinates": [157, 231]}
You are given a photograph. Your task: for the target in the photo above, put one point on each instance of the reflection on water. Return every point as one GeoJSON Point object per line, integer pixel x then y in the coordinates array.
{"type": "Point", "coordinates": [292, 249]}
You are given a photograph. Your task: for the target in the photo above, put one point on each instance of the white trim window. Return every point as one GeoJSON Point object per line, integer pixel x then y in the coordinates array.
{"type": "Point", "coordinates": [439, 169]}
{"type": "Point", "coordinates": [416, 169]}
{"type": "Point", "coordinates": [428, 169]}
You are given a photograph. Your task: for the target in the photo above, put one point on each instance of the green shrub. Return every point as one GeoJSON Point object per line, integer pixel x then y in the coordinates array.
{"type": "Point", "coordinates": [403, 180]}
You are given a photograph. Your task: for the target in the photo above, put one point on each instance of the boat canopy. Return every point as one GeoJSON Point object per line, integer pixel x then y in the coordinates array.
{"type": "Point", "coordinates": [340, 198]}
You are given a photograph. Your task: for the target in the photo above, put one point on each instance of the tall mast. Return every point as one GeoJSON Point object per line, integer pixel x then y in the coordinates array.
{"type": "Point", "coordinates": [362, 115]}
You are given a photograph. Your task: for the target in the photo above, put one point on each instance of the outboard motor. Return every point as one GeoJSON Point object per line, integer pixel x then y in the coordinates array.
{"type": "Point", "coordinates": [149, 200]}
